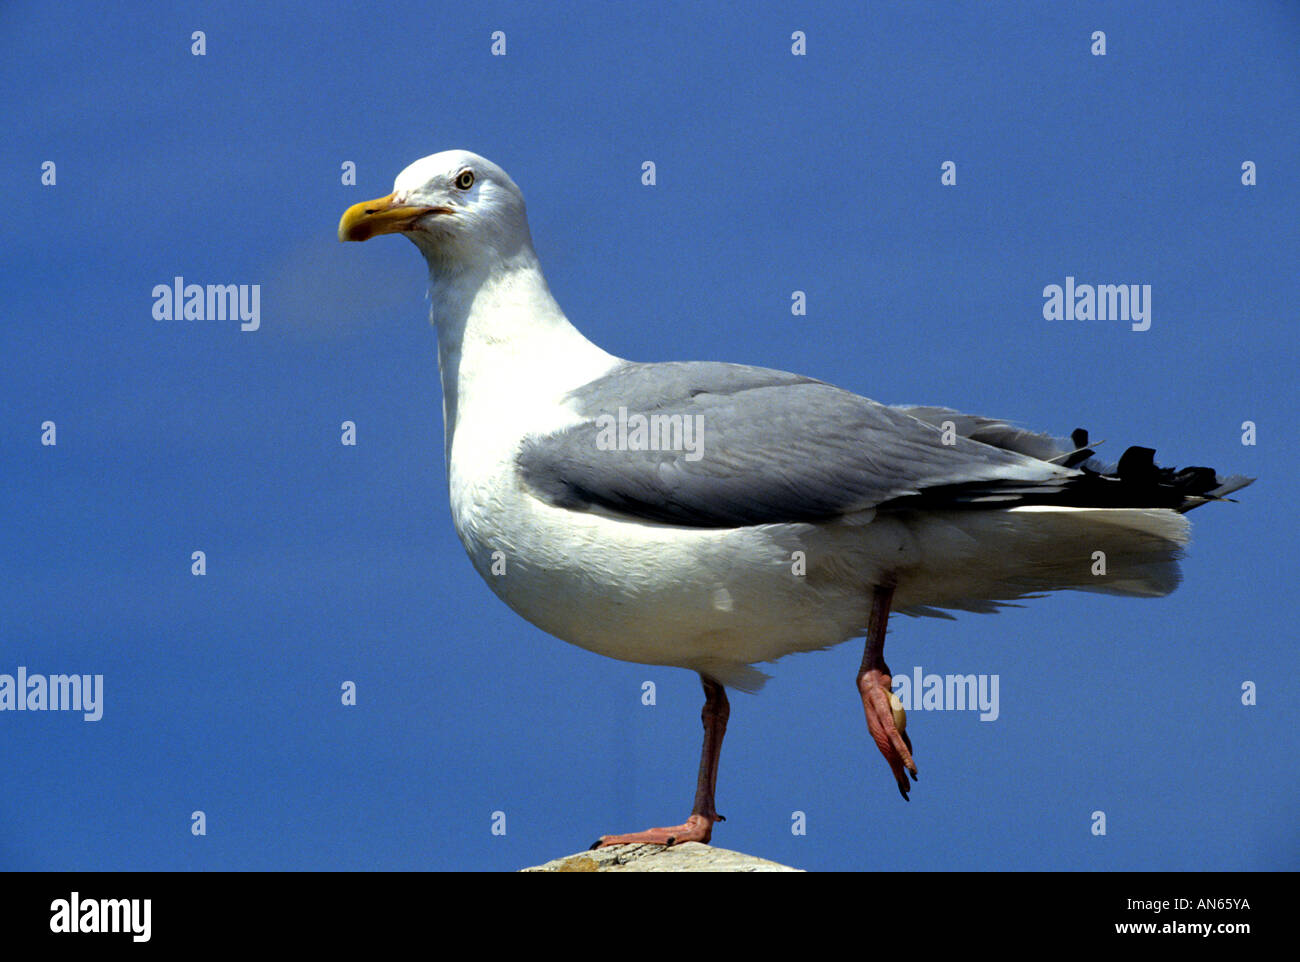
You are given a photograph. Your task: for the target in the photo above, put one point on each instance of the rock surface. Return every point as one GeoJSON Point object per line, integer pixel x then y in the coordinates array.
{"type": "Point", "coordinates": [687, 857]}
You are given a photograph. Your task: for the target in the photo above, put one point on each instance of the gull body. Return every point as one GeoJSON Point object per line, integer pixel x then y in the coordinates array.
{"type": "Point", "coordinates": [809, 513]}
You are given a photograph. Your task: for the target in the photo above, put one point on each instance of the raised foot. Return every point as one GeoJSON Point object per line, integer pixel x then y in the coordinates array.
{"type": "Point", "coordinates": [696, 829]}
{"type": "Point", "coordinates": [887, 723]}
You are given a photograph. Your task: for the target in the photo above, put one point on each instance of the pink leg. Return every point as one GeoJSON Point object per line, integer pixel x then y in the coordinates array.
{"type": "Point", "coordinates": [699, 827]}
{"type": "Point", "coordinates": [874, 686]}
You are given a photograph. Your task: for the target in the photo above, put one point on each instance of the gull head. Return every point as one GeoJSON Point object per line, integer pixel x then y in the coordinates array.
{"type": "Point", "coordinates": [460, 209]}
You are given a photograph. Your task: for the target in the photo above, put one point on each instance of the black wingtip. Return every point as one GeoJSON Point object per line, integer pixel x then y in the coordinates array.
{"type": "Point", "coordinates": [1138, 465]}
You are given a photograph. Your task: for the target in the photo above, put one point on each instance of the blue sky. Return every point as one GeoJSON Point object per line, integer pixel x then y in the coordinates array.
{"type": "Point", "coordinates": [776, 173]}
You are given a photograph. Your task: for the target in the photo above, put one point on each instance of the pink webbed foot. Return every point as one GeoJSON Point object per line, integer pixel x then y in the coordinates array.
{"type": "Point", "coordinates": [697, 828]}
{"type": "Point", "coordinates": [886, 719]}
{"type": "Point", "coordinates": [887, 725]}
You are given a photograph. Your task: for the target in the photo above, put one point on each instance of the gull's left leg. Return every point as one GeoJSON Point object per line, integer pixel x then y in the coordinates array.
{"type": "Point", "coordinates": [883, 721]}
{"type": "Point", "coordinates": [699, 827]}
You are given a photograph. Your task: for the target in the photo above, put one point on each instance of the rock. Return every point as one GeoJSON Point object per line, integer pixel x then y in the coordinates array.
{"type": "Point", "coordinates": [686, 857]}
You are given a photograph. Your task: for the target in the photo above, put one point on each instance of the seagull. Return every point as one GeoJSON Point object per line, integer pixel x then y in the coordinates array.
{"type": "Point", "coordinates": [714, 516]}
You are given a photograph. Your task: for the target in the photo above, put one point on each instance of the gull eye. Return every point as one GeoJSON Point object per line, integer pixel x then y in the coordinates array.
{"type": "Point", "coordinates": [465, 179]}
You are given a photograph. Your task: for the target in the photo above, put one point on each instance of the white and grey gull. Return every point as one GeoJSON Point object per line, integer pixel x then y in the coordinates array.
{"type": "Point", "coordinates": [714, 516]}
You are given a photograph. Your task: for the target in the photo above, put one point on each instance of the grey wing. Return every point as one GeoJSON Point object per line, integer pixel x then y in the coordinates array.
{"type": "Point", "coordinates": [726, 445]}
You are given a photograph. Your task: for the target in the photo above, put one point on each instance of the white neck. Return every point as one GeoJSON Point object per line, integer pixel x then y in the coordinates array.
{"type": "Point", "coordinates": [504, 345]}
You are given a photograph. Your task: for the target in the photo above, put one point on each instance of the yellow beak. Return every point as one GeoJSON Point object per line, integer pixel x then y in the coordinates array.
{"type": "Point", "coordinates": [380, 216]}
